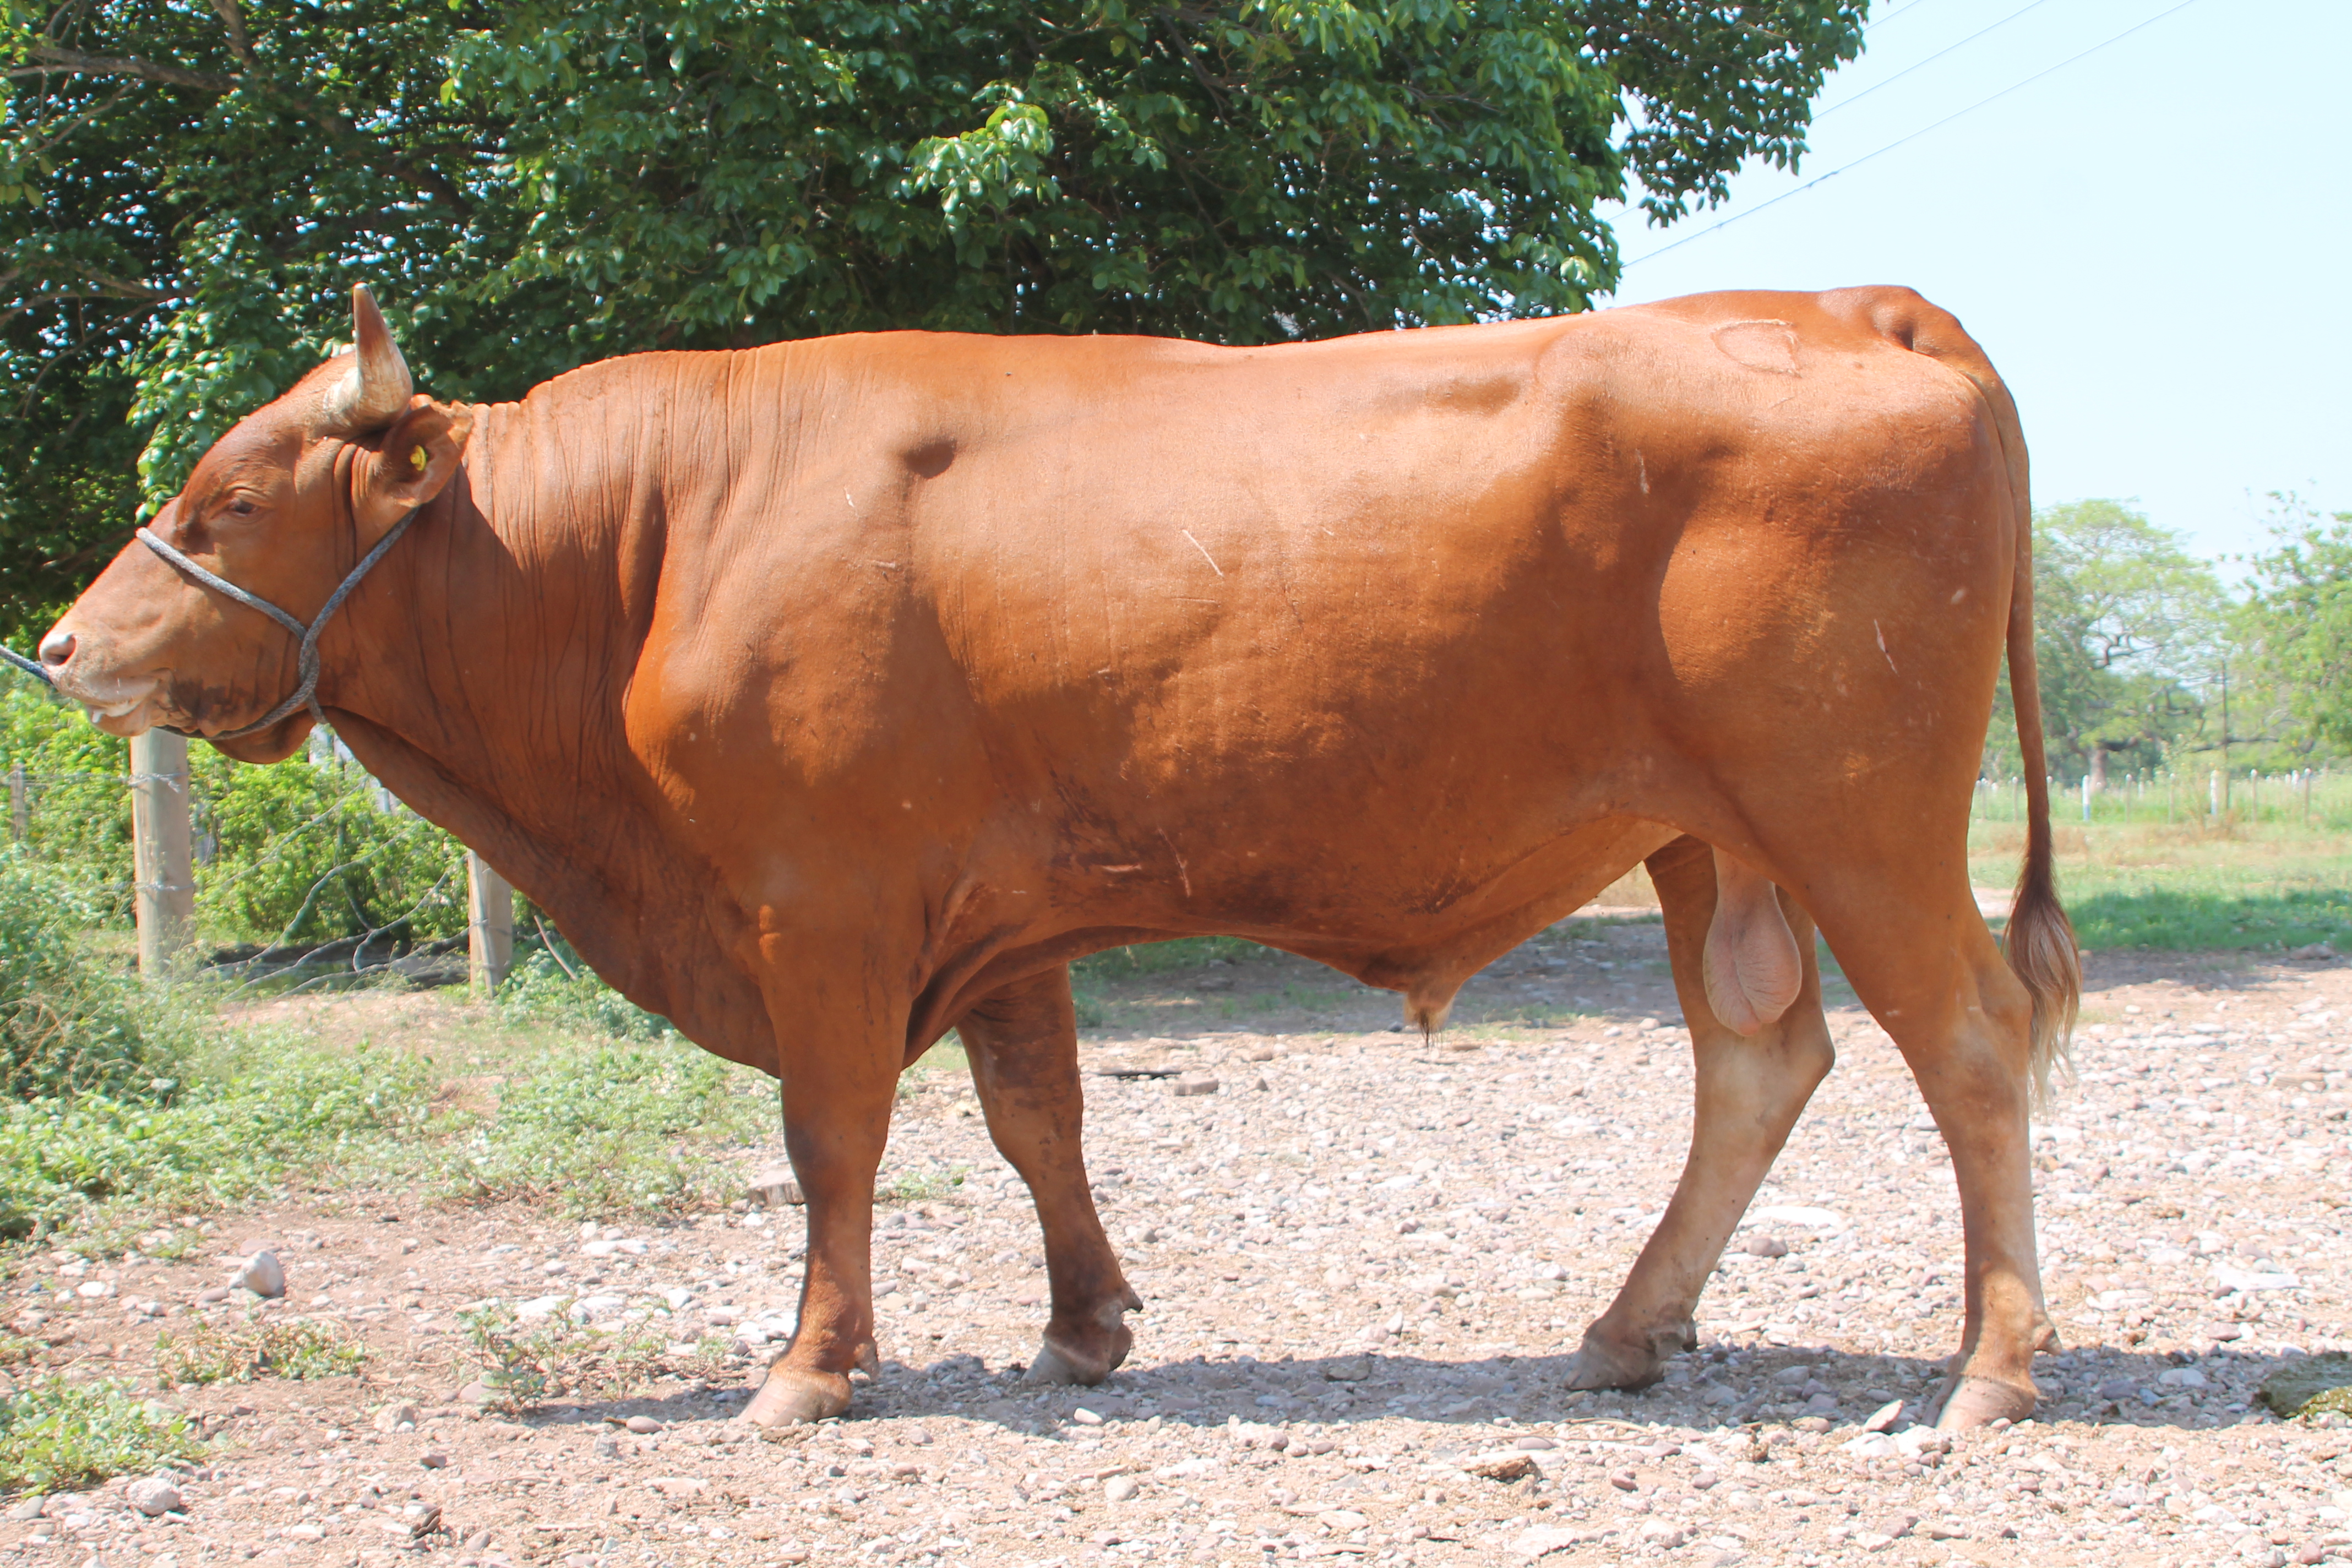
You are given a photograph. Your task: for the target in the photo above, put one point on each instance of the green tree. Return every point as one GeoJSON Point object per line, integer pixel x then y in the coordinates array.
{"type": "Point", "coordinates": [2298, 620]}
{"type": "Point", "coordinates": [2129, 631]}
{"type": "Point", "coordinates": [187, 190]}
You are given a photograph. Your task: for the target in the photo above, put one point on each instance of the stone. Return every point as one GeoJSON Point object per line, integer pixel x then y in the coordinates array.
{"type": "Point", "coordinates": [478, 1395]}
{"type": "Point", "coordinates": [642, 1426]}
{"type": "Point", "coordinates": [1348, 1368]}
{"type": "Point", "coordinates": [28, 1509]}
{"type": "Point", "coordinates": [777, 1186]}
{"type": "Point", "coordinates": [2229, 1276]}
{"type": "Point", "coordinates": [1193, 1084]}
{"type": "Point", "coordinates": [1086, 1417]}
{"type": "Point", "coordinates": [392, 1417]}
{"type": "Point", "coordinates": [212, 1297]}
{"type": "Point", "coordinates": [1500, 1465]}
{"type": "Point", "coordinates": [1885, 1417]}
{"type": "Point", "coordinates": [1872, 1445]}
{"type": "Point", "coordinates": [433, 1460]}
{"type": "Point", "coordinates": [262, 1274]}
{"type": "Point", "coordinates": [1121, 1488]}
{"type": "Point", "coordinates": [1545, 1540]}
{"type": "Point", "coordinates": [153, 1496]}
{"type": "Point", "coordinates": [1765, 1247]}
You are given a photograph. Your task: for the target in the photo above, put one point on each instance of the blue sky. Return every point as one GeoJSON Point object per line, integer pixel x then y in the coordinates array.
{"type": "Point", "coordinates": [2154, 244]}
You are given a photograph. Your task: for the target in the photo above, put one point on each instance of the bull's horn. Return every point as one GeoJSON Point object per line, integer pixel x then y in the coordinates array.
{"type": "Point", "coordinates": [377, 391]}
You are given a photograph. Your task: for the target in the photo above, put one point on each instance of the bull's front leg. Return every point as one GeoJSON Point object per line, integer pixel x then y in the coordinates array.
{"type": "Point", "coordinates": [836, 1104]}
{"type": "Point", "coordinates": [1024, 1044]}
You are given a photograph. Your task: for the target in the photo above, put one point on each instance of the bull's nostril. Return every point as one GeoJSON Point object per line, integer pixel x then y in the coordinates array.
{"type": "Point", "coordinates": [56, 649]}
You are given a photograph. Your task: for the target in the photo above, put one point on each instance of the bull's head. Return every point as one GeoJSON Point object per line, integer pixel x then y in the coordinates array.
{"type": "Point", "coordinates": [283, 506]}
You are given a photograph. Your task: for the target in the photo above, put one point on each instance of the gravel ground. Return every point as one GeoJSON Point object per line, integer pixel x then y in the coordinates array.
{"type": "Point", "coordinates": [1367, 1259]}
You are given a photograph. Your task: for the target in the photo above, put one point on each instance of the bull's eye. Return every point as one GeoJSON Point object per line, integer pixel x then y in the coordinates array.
{"type": "Point", "coordinates": [416, 459]}
{"type": "Point", "coordinates": [241, 507]}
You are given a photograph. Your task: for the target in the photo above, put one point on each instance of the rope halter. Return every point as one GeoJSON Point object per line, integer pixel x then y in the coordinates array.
{"type": "Point", "coordinates": [305, 694]}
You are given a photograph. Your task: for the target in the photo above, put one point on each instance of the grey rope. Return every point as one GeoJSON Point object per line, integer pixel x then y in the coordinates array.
{"type": "Point", "coordinates": [305, 695]}
{"type": "Point", "coordinates": [30, 667]}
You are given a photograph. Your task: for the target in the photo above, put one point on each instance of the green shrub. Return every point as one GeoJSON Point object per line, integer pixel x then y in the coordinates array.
{"type": "Point", "coordinates": [306, 853]}
{"type": "Point", "coordinates": [81, 817]}
{"type": "Point", "coordinates": [56, 1434]}
{"type": "Point", "coordinates": [303, 849]}
{"type": "Point", "coordinates": [522, 1364]}
{"type": "Point", "coordinates": [540, 990]}
{"type": "Point", "coordinates": [71, 1022]}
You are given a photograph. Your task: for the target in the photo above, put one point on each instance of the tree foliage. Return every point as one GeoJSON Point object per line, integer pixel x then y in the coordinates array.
{"type": "Point", "coordinates": [2298, 620]}
{"type": "Point", "coordinates": [189, 187]}
{"type": "Point", "coordinates": [2129, 631]}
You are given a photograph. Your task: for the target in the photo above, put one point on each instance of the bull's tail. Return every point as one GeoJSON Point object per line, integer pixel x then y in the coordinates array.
{"type": "Point", "coordinates": [2041, 942]}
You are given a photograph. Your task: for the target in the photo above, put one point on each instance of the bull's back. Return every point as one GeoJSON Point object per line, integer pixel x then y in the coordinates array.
{"type": "Point", "coordinates": [1538, 540]}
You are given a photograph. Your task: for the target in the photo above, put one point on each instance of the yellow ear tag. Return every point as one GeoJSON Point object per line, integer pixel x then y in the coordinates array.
{"type": "Point", "coordinates": [416, 459]}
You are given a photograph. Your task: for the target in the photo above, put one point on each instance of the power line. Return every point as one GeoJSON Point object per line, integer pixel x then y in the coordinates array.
{"type": "Point", "coordinates": [1931, 59]}
{"type": "Point", "coordinates": [1899, 11]}
{"type": "Point", "coordinates": [1913, 136]}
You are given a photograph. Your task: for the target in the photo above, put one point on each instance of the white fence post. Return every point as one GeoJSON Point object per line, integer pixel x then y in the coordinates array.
{"type": "Point", "coordinates": [489, 925]}
{"type": "Point", "coordinates": [163, 878]}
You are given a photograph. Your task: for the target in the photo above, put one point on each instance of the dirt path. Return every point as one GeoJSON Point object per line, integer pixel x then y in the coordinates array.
{"type": "Point", "coordinates": [1367, 1259]}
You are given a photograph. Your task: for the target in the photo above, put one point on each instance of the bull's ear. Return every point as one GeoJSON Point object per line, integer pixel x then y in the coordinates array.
{"type": "Point", "coordinates": [418, 458]}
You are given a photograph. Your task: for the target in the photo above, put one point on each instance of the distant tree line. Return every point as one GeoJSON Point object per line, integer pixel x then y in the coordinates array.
{"type": "Point", "coordinates": [2150, 660]}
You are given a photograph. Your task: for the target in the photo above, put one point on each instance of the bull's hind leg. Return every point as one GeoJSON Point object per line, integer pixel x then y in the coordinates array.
{"type": "Point", "coordinates": [1023, 1042]}
{"type": "Point", "coordinates": [1750, 1088]}
{"type": "Point", "coordinates": [1921, 959]}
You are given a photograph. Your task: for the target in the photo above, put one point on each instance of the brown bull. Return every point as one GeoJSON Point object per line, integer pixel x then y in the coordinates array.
{"type": "Point", "coordinates": [836, 694]}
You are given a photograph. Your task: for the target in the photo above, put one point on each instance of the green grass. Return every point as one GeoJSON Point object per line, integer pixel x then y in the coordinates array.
{"type": "Point", "coordinates": [1162, 957]}
{"type": "Point", "coordinates": [920, 1186]}
{"type": "Point", "coordinates": [591, 1126]}
{"type": "Point", "coordinates": [267, 1348]}
{"type": "Point", "coordinates": [252, 1109]}
{"type": "Point", "coordinates": [614, 1128]}
{"type": "Point", "coordinates": [58, 1435]}
{"type": "Point", "coordinates": [2188, 885]}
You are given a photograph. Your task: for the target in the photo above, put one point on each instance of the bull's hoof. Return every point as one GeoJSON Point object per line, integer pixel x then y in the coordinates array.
{"type": "Point", "coordinates": [1086, 1352]}
{"type": "Point", "coordinates": [1973, 1402]}
{"type": "Point", "coordinates": [792, 1396]}
{"type": "Point", "coordinates": [1061, 1359]}
{"type": "Point", "coordinates": [1604, 1363]}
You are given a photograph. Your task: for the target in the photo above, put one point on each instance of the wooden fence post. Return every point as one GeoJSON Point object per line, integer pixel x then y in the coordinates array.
{"type": "Point", "coordinates": [489, 925]}
{"type": "Point", "coordinates": [163, 874]}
